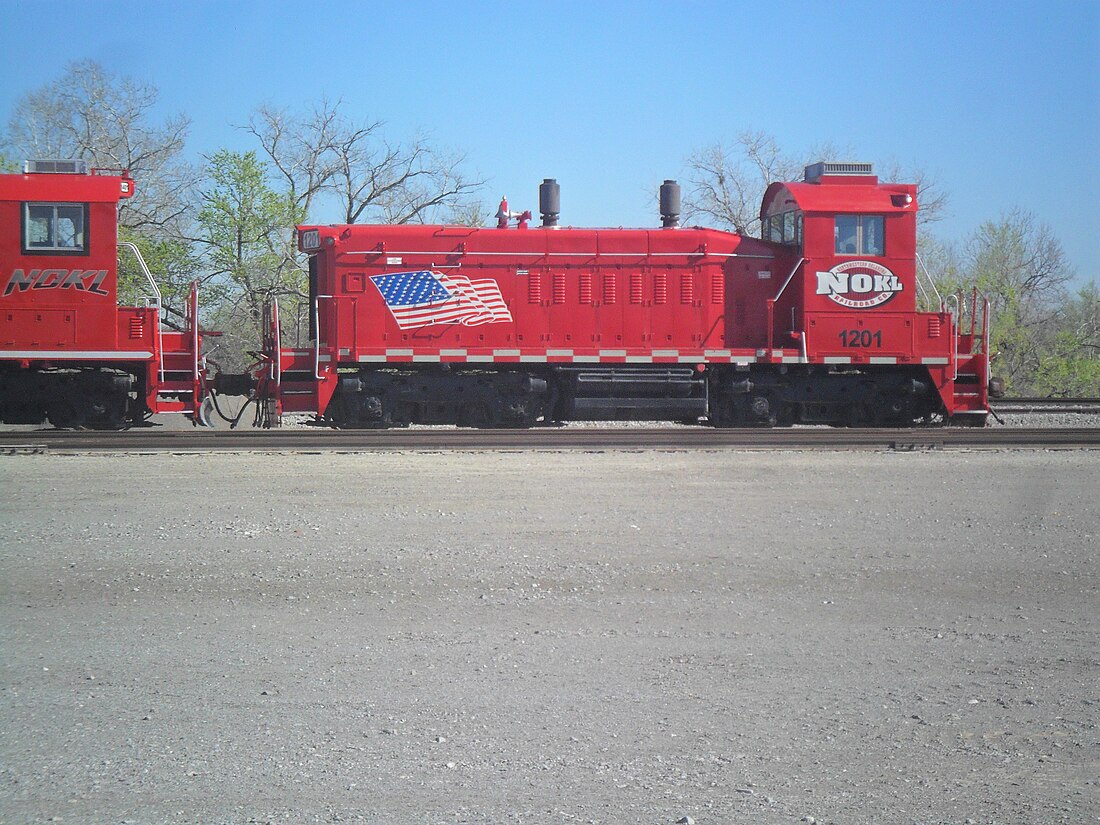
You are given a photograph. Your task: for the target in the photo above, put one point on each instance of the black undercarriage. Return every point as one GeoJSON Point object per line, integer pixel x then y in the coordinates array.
{"type": "Point", "coordinates": [761, 395]}
{"type": "Point", "coordinates": [93, 398]}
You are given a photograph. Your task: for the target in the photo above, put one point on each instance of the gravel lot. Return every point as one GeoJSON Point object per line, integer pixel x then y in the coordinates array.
{"type": "Point", "coordinates": [550, 638]}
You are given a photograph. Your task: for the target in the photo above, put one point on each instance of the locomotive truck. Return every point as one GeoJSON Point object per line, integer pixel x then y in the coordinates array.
{"type": "Point", "coordinates": [513, 326]}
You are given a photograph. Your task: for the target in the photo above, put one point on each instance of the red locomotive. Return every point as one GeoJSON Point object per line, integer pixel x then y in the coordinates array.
{"type": "Point", "coordinates": [817, 322]}
{"type": "Point", "coordinates": [68, 352]}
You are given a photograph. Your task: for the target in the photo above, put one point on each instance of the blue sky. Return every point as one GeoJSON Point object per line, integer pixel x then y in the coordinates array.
{"type": "Point", "coordinates": [1000, 102]}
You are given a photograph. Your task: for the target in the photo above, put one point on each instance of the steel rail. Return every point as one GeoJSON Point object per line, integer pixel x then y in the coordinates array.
{"type": "Point", "coordinates": [547, 439]}
{"type": "Point", "coordinates": [1088, 406]}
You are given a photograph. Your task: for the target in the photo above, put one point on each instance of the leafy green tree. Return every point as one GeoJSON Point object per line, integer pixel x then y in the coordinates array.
{"type": "Point", "coordinates": [1018, 263]}
{"type": "Point", "coordinates": [1071, 366]}
{"type": "Point", "coordinates": [246, 234]}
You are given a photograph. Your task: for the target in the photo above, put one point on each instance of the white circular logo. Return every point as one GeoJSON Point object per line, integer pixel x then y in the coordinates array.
{"type": "Point", "coordinates": [859, 284]}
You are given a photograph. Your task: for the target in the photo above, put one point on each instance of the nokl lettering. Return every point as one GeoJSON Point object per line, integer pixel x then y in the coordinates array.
{"type": "Point", "coordinates": [858, 284]}
{"type": "Point", "coordinates": [82, 280]}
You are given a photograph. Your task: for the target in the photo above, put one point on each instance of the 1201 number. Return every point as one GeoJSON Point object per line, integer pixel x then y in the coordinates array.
{"type": "Point", "coordinates": [854, 338]}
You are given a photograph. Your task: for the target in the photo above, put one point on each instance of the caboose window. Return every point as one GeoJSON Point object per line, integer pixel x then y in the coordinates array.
{"type": "Point", "coordinates": [55, 228]}
{"type": "Point", "coordinates": [859, 235]}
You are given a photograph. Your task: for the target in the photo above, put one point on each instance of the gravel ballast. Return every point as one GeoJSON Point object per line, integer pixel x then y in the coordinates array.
{"type": "Point", "coordinates": [586, 637]}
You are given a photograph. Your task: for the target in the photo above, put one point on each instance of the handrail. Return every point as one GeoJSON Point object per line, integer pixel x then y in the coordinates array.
{"type": "Point", "coordinates": [928, 275]}
{"type": "Point", "coordinates": [159, 300]}
{"type": "Point", "coordinates": [787, 282]}
{"type": "Point", "coordinates": [955, 321]}
{"type": "Point", "coordinates": [985, 342]}
{"type": "Point", "coordinates": [144, 268]}
{"type": "Point", "coordinates": [317, 339]}
{"type": "Point", "coordinates": [193, 311]}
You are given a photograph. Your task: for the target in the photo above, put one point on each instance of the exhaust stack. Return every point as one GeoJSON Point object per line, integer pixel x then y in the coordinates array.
{"type": "Point", "coordinates": [670, 204]}
{"type": "Point", "coordinates": [549, 201]}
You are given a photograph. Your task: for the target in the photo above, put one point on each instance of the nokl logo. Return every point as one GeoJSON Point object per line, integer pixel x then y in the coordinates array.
{"type": "Point", "coordinates": [858, 284]}
{"type": "Point", "coordinates": [82, 280]}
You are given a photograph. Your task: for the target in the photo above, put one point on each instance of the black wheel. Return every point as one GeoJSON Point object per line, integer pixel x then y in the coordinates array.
{"type": "Point", "coordinates": [476, 414]}
{"type": "Point", "coordinates": [64, 414]}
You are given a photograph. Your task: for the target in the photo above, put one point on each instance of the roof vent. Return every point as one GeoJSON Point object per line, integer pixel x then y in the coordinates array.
{"type": "Point", "coordinates": [817, 170]}
{"type": "Point", "coordinates": [55, 167]}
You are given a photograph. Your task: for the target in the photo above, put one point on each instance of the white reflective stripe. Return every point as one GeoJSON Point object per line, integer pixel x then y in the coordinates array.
{"type": "Point", "coordinates": [54, 355]}
{"type": "Point", "coordinates": [345, 351]}
{"type": "Point", "coordinates": [795, 359]}
{"type": "Point", "coordinates": [761, 353]}
{"type": "Point", "coordinates": [882, 359]}
{"type": "Point", "coordinates": [837, 359]}
{"type": "Point", "coordinates": [570, 356]}
{"type": "Point", "coordinates": [324, 358]}
{"type": "Point", "coordinates": [778, 353]}
{"type": "Point", "coordinates": [941, 361]}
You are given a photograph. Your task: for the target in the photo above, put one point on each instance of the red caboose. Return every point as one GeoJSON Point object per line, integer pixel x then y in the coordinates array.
{"type": "Point", "coordinates": [68, 352]}
{"type": "Point", "coordinates": [815, 322]}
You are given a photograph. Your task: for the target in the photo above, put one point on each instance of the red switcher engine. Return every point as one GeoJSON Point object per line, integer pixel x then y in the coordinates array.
{"type": "Point", "coordinates": [815, 322]}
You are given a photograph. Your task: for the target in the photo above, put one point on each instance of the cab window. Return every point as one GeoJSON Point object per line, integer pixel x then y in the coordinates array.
{"type": "Point", "coordinates": [784, 228]}
{"type": "Point", "coordinates": [55, 228]}
{"type": "Point", "coordinates": [859, 235]}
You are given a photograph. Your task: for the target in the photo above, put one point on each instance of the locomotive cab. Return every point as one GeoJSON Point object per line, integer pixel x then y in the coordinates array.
{"type": "Point", "coordinates": [68, 353]}
{"type": "Point", "coordinates": [850, 303]}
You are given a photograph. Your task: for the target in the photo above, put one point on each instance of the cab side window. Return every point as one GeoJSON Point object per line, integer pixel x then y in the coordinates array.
{"type": "Point", "coordinates": [55, 228]}
{"type": "Point", "coordinates": [784, 228]}
{"type": "Point", "coordinates": [859, 235]}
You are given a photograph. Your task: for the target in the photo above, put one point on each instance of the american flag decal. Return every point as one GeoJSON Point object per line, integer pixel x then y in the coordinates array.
{"type": "Point", "coordinates": [419, 299]}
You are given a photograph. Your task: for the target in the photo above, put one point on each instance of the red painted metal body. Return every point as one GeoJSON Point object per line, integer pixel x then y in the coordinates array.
{"type": "Point", "coordinates": [59, 314]}
{"type": "Point", "coordinates": [682, 296]}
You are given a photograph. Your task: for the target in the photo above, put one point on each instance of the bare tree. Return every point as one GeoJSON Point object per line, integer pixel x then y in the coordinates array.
{"type": "Point", "coordinates": [324, 154]}
{"type": "Point", "coordinates": [726, 183]}
{"type": "Point", "coordinates": [90, 114]}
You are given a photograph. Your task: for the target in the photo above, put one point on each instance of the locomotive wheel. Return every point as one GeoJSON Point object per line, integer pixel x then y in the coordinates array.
{"type": "Point", "coordinates": [64, 414]}
{"type": "Point", "coordinates": [476, 414]}
{"type": "Point", "coordinates": [107, 413]}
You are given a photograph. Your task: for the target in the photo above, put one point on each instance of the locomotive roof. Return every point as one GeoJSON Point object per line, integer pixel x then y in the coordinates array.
{"type": "Point", "coordinates": [688, 241]}
{"type": "Point", "coordinates": [94, 188]}
{"type": "Point", "coordinates": [830, 196]}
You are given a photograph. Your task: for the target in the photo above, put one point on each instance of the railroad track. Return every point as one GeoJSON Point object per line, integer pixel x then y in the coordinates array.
{"type": "Point", "coordinates": [1088, 406]}
{"type": "Point", "coordinates": [602, 439]}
